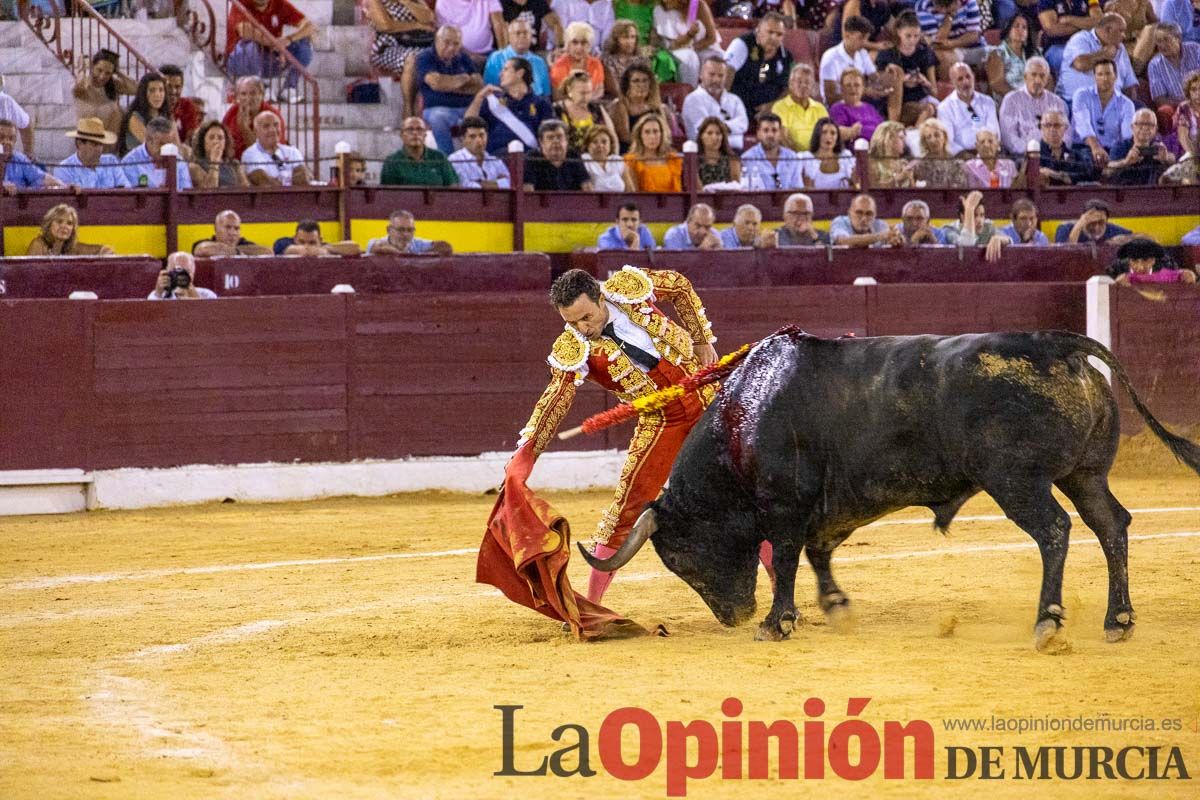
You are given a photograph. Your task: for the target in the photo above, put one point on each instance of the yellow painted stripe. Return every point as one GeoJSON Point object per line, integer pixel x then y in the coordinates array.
{"type": "Point", "coordinates": [264, 233]}
{"type": "Point", "coordinates": [464, 237]}
{"type": "Point", "coordinates": [126, 240]}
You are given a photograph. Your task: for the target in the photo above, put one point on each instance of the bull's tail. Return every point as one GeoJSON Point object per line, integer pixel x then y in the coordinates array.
{"type": "Point", "coordinates": [1186, 451]}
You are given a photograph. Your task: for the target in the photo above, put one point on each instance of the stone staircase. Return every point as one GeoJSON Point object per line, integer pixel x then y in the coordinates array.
{"type": "Point", "coordinates": [43, 87]}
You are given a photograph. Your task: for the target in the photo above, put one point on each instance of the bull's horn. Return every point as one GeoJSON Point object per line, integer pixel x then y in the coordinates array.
{"type": "Point", "coordinates": [643, 529]}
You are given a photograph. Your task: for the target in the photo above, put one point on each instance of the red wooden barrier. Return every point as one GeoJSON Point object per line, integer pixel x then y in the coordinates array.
{"type": "Point", "coordinates": [109, 277]}
{"type": "Point", "coordinates": [493, 272]}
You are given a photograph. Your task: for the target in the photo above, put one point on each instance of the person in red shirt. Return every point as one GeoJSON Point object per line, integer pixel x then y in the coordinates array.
{"type": "Point", "coordinates": [252, 50]}
{"type": "Point", "coordinates": [239, 119]}
{"type": "Point", "coordinates": [187, 113]}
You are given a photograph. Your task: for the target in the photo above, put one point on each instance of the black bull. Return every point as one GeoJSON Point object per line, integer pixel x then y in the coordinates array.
{"type": "Point", "coordinates": [810, 439]}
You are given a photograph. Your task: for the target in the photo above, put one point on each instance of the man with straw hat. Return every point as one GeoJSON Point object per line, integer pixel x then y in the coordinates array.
{"type": "Point", "coordinates": [90, 167]}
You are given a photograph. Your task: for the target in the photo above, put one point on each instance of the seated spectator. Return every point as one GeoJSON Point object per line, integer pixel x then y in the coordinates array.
{"type": "Point", "coordinates": [639, 96]}
{"type": "Point", "coordinates": [476, 167]}
{"type": "Point", "coordinates": [184, 109]}
{"type": "Point", "coordinates": [480, 24]}
{"type": "Point", "coordinates": [715, 160]}
{"type": "Point", "coordinates": [1022, 109]}
{"type": "Point", "coordinates": [1187, 118]}
{"type": "Point", "coordinates": [855, 119]}
{"type": "Point", "coordinates": [1145, 261]}
{"type": "Point", "coordinates": [356, 169]}
{"type": "Point", "coordinates": [414, 164]}
{"type": "Point", "coordinates": [1061, 164]}
{"type": "Point", "coordinates": [448, 81]}
{"type": "Point", "coordinates": [1089, 48]}
{"type": "Point", "coordinates": [889, 167]}
{"type": "Point", "coordinates": [696, 233]}
{"type": "Point", "coordinates": [177, 281]}
{"type": "Point", "coordinates": [1007, 61]}
{"type": "Point", "coordinates": [12, 111]}
{"type": "Point", "coordinates": [401, 239]}
{"type": "Point", "coordinates": [1181, 13]}
{"type": "Point", "coordinates": [973, 228]}
{"type": "Point", "coordinates": [769, 165]}
{"type": "Point", "coordinates": [760, 64]}
{"type": "Point", "coordinates": [988, 170]}
{"type": "Point", "coordinates": [59, 236]}
{"type": "Point", "coordinates": [710, 99]}
{"type": "Point", "coordinates": [936, 167]}
{"type": "Point", "coordinates": [1059, 20]}
{"type": "Point", "coordinates": [578, 111]}
{"type": "Point", "coordinates": [852, 52]}
{"type": "Point", "coordinates": [1142, 160]}
{"type": "Point", "coordinates": [689, 42]}
{"type": "Point", "coordinates": [797, 229]}
{"type": "Point", "coordinates": [1176, 59]}
{"type": "Point", "coordinates": [249, 95]}
{"type": "Point", "coordinates": [308, 242]}
{"type": "Point", "coordinates": [17, 171]}
{"type": "Point", "coordinates": [1140, 21]}
{"type": "Point", "coordinates": [1024, 228]}
{"type": "Point", "coordinates": [860, 228]}
{"type": "Point", "coordinates": [543, 20]}
{"type": "Point", "coordinates": [879, 13]}
{"type": "Point", "coordinates": [915, 227]}
{"type": "Point", "coordinates": [744, 232]}
{"type": "Point", "coordinates": [597, 14]}
{"type": "Point", "coordinates": [1092, 226]}
{"type": "Point", "coordinates": [98, 87]}
{"type": "Point", "coordinates": [797, 110]}
{"type": "Point", "coordinates": [269, 162]}
{"type": "Point", "coordinates": [651, 163]}
{"type": "Point", "coordinates": [629, 233]}
{"type": "Point", "coordinates": [553, 167]}
{"type": "Point", "coordinates": [1103, 118]}
{"type": "Point", "coordinates": [149, 102]}
{"type": "Point", "coordinates": [622, 49]}
{"type": "Point", "coordinates": [402, 28]}
{"type": "Point", "coordinates": [89, 167]}
{"type": "Point", "coordinates": [577, 57]}
{"type": "Point", "coordinates": [512, 111]}
{"type": "Point", "coordinates": [520, 45]}
{"type": "Point", "coordinates": [213, 164]}
{"type": "Point", "coordinates": [251, 49]}
{"type": "Point", "coordinates": [145, 166]}
{"type": "Point", "coordinates": [641, 14]}
{"type": "Point", "coordinates": [827, 165]}
{"type": "Point", "coordinates": [606, 168]}
{"type": "Point", "coordinates": [910, 74]}
{"type": "Point", "coordinates": [954, 31]}
{"type": "Point", "coordinates": [966, 112]}
{"type": "Point", "coordinates": [227, 239]}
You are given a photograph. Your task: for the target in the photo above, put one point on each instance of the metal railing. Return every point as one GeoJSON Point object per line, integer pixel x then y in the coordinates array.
{"type": "Point", "coordinates": [76, 32]}
{"type": "Point", "coordinates": [206, 29]}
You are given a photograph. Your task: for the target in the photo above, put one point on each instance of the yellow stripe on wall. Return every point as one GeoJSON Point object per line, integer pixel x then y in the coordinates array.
{"type": "Point", "coordinates": [126, 240]}
{"type": "Point", "coordinates": [264, 233]}
{"type": "Point", "coordinates": [464, 237]}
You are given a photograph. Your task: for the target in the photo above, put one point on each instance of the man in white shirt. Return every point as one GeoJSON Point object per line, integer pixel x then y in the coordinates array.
{"type": "Point", "coordinates": [178, 281]}
{"type": "Point", "coordinates": [851, 52]}
{"type": "Point", "coordinates": [711, 100]}
{"type": "Point", "coordinates": [965, 111]}
{"type": "Point", "coordinates": [476, 167]}
{"type": "Point", "coordinates": [11, 110]}
{"type": "Point", "coordinates": [1022, 110]}
{"type": "Point", "coordinates": [269, 162]}
{"type": "Point", "coordinates": [1085, 48]}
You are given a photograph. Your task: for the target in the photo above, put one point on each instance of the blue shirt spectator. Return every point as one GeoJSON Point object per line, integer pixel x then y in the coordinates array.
{"type": "Point", "coordinates": [1166, 82]}
{"type": "Point", "coordinates": [415, 247]}
{"type": "Point", "coordinates": [762, 174]}
{"type": "Point", "coordinates": [427, 62]}
{"type": "Point", "coordinates": [1192, 237]}
{"type": "Point", "coordinates": [108, 174]}
{"type": "Point", "coordinates": [1062, 233]}
{"type": "Point", "coordinates": [530, 110]}
{"type": "Point", "coordinates": [1071, 80]}
{"type": "Point", "coordinates": [841, 228]}
{"type": "Point", "coordinates": [23, 173]}
{"type": "Point", "coordinates": [1110, 125]}
{"type": "Point", "coordinates": [966, 20]}
{"type": "Point", "coordinates": [1038, 237]}
{"type": "Point", "coordinates": [541, 72]}
{"type": "Point", "coordinates": [677, 238]}
{"type": "Point", "coordinates": [612, 239]}
{"type": "Point", "coordinates": [139, 164]}
{"type": "Point", "coordinates": [1181, 13]}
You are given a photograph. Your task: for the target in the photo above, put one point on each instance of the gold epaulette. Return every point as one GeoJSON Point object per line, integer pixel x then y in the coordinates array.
{"type": "Point", "coordinates": [570, 351]}
{"type": "Point", "coordinates": [630, 285]}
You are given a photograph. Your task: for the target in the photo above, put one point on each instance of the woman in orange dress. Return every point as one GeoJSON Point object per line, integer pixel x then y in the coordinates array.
{"type": "Point", "coordinates": [651, 164]}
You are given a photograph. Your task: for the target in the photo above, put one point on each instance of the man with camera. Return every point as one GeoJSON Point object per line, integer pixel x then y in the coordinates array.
{"type": "Point", "coordinates": [176, 282]}
{"type": "Point", "coordinates": [1142, 160]}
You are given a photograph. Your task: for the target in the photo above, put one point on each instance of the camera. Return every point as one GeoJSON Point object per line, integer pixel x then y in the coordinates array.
{"type": "Point", "coordinates": [178, 278]}
{"type": "Point", "coordinates": [1147, 150]}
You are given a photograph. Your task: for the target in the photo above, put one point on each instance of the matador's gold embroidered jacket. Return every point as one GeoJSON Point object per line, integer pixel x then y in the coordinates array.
{"type": "Point", "coordinates": [574, 358]}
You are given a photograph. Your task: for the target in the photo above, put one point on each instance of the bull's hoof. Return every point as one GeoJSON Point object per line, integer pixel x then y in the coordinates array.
{"type": "Point", "coordinates": [777, 632]}
{"type": "Point", "coordinates": [1049, 637]}
{"type": "Point", "coordinates": [832, 601]}
{"type": "Point", "coordinates": [1120, 628]}
{"type": "Point", "coordinates": [841, 618]}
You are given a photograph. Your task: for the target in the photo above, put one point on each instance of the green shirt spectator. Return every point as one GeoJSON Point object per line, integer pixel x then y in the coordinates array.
{"type": "Point", "coordinates": [414, 164]}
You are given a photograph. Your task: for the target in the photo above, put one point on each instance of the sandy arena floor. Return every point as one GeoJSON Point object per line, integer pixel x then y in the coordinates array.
{"type": "Point", "coordinates": [341, 649]}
